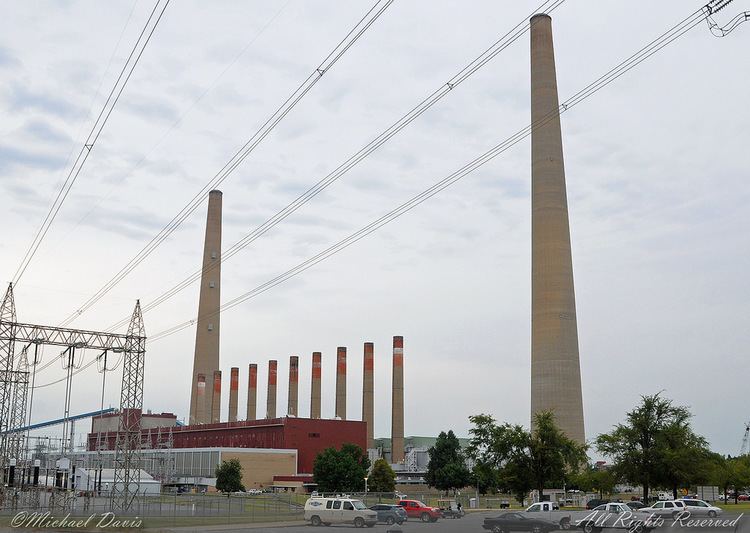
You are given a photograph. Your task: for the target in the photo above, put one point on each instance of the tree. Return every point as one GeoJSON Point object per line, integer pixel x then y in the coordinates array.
{"type": "Point", "coordinates": [341, 470]}
{"type": "Point", "coordinates": [525, 460]}
{"type": "Point", "coordinates": [382, 478]}
{"type": "Point", "coordinates": [229, 476]}
{"type": "Point", "coordinates": [601, 480]}
{"type": "Point", "coordinates": [447, 468]}
{"type": "Point", "coordinates": [656, 446]}
{"type": "Point", "coordinates": [731, 472]}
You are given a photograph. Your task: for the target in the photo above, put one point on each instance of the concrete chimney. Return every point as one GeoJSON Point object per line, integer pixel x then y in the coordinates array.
{"type": "Point", "coordinates": [292, 404]}
{"type": "Point", "coordinates": [200, 395]}
{"type": "Point", "coordinates": [397, 403]}
{"type": "Point", "coordinates": [555, 366]}
{"type": "Point", "coordinates": [368, 393]}
{"type": "Point", "coordinates": [234, 389]}
{"type": "Point", "coordinates": [216, 400]}
{"type": "Point", "coordinates": [206, 355]}
{"type": "Point", "coordinates": [315, 385]}
{"type": "Point", "coordinates": [252, 392]}
{"type": "Point", "coordinates": [271, 397]}
{"type": "Point", "coordinates": [341, 382]}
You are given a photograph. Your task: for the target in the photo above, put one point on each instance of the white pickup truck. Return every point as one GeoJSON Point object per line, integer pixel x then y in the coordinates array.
{"type": "Point", "coordinates": [608, 515]}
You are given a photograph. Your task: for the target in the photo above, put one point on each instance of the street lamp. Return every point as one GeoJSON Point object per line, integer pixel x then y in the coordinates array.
{"type": "Point", "coordinates": [365, 485]}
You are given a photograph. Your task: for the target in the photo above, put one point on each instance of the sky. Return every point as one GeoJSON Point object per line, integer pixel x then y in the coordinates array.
{"type": "Point", "coordinates": [656, 169]}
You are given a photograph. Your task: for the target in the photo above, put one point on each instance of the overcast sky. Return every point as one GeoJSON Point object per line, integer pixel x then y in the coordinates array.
{"type": "Point", "coordinates": [657, 179]}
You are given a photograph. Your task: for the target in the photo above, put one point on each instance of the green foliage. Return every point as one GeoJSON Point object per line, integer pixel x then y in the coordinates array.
{"type": "Point", "coordinates": [510, 458]}
{"type": "Point", "coordinates": [382, 478]}
{"type": "Point", "coordinates": [657, 447]}
{"type": "Point", "coordinates": [341, 470]}
{"type": "Point", "coordinates": [729, 473]}
{"type": "Point", "coordinates": [229, 476]}
{"type": "Point", "coordinates": [447, 468]}
{"type": "Point", "coordinates": [593, 479]}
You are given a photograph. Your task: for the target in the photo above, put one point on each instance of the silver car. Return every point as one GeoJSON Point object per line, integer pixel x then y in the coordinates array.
{"type": "Point", "coordinates": [701, 508]}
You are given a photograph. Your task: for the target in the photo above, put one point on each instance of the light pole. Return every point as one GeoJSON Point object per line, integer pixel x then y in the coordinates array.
{"type": "Point", "coordinates": [365, 486]}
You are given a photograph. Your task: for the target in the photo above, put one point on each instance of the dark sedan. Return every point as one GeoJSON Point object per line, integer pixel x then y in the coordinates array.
{"type": "Point", "coordinates": [510, 522]}
{"type": "Point", "coordinates": [390, 514]}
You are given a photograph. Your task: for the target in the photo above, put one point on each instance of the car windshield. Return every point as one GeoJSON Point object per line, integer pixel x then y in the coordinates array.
{"type": "Point", "coordinates": [358, 505]}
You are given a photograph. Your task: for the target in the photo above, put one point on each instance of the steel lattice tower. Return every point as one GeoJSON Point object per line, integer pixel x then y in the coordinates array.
{"type": "Point", "coordinates": [127, 476]}
{"type": "Point", "coordinates": [7, 347]}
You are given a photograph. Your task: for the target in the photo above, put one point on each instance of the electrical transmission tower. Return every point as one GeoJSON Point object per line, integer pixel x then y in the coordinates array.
{"type": "Point", "coordinates": [127, 475]}
{"type": "Point", "coordinates": [14, 384]}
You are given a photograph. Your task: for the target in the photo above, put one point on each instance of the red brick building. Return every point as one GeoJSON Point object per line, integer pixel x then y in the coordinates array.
{"type": "Point", "coordinates": [308, 436]}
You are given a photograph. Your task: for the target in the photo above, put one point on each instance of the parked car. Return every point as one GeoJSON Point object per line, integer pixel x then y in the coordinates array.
{"type": "Point", "coordinates": [511, 522]}
{"type": "Point", "coordinates": [389, 513]}
{"type": "Point", "coordinates": [700, 508]}
{"type": "Point", "coordinates": [450, 509]}
{"type": "Point", "coordinates": [635, 505]}
{"type": "Point", "coordinates": [417, 509]}
{"type": "Point", "coordinates": [595, 503]}
{"type": "Point", "coordinates": [341, 510]}
{"type": "Point", "coordinates": [550, 511]}
{"type": "Point", "coordinates": [615, 516]}
{"type": "Point", "coordinates": [670, 508]}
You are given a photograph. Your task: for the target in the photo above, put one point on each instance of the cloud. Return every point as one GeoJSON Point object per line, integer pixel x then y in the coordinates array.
{"type": "Point", "coordinates": [21, 98]}
{"type": "Point", "coordinates": [41, 130]}
{"type": "Point", "coordinates": [151, 108]}
{"type": "Point", "coordinates": [11, 158]}
{"type": "Point", "coordinates": [7, 59]}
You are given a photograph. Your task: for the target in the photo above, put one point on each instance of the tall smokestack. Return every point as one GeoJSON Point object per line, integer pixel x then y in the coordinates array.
{"type": "Point", "coordinates": [206, 355]}
{"type": "Point", "coordinates": [293, 385]}
{"type": "Point", "coordinates": [234, 388]}
{"type": "Point", "coordinates": [252, 392]}
{"type": "Point", "coordinates": [200, 395]}
{"type": "Point", "coordinates": [555, 367]}
{"type": "Point", "coordinates": [341, 382]}
{"type": "Point", "coordinates": [271, 397]}
{"type": "Point", "coordinates": [315, 385]}
{"type": "Point", "coordinates": [216, 400]}
{"type": "Point", "coordinates": [397, 403]}
{"type": "Point", "coordinates": [368, 393]}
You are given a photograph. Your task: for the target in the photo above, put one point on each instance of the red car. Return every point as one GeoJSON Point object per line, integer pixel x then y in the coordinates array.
{"type": "Point", "coordinates": [417, 509]}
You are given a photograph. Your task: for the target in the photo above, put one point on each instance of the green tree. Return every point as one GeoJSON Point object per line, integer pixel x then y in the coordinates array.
{"type": "Point", "coordinates": [525, 460]}
{"type": "Point", "coordinates": [731, 472]}
{"type": "Point", "coordinates": [229, 476]}
{"type": "Point", "coordinates": [447, 469]}
{"type": "Point", "coordinates": [341, 470]}
{"type": "Point", "coordinates": [382, 478]}
{"type": "Point", "coordinates": [656, 446]}
{"type": "Point", "coordinates": [593, 479]}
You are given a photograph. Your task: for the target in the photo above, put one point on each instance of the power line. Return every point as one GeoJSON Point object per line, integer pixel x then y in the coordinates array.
{"type": "Point", "coordinates": [341, 48]}
{"type": "Point", "coordinates": [644, 53]}
{"type": "Point", "coordinates": [93, 136]}
{"type": "Point", "coordinates": [473, 66]}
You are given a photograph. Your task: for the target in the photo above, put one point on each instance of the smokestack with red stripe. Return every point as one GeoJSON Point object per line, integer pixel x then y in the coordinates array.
{"type": "Point", "coordinates": [341, 382]}
{"type": "Point", "coordinates": [293, 385]}
{"type": "Point", "coordinates": [234, 389]}
{"type": "Point", "coordinates": [200, 395]}
{"type": "Point", "coordinates": [252, 392]}
{"type": "Point", "coordinates": [397, 416]}
{"type": "Point", "coordinates": [271, 398]}
{"type": "Point", "coordinates": [216, 401]}
{"type": "Point", "coordinates": [315, 385]}
{"type": "Point", "coordinates": [368, 393]}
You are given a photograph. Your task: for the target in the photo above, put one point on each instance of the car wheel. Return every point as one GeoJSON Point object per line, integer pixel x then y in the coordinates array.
{"type": "Point", "coordinates": [425, 517]}
{"type": "Point", "coordinates": [712, 514]}
{"type": "Point", "coordinates": [536, 529]}
{"type": "Point", "coordinates": [565, 523]}
{"type": "Point", "coordinates": [359, 522]}
{"type": "Point", "coordinates": [389, 520]}
{"type": "Point", "coordinates": [589, 527]}
{"type": "Point", "coordinates": [497, 529]}
{"type": "Point", "coordinates": [675, 514]}
{"type": "Point", "coordinates": [315, 520]}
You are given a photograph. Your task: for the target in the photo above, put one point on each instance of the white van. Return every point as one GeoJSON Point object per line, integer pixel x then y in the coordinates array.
{"type": "Point", "coordinates": [339, 510]}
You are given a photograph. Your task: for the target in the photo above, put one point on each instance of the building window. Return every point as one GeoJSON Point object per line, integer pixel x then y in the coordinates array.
{"type": "Point", "coordinates": [314, 435]}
